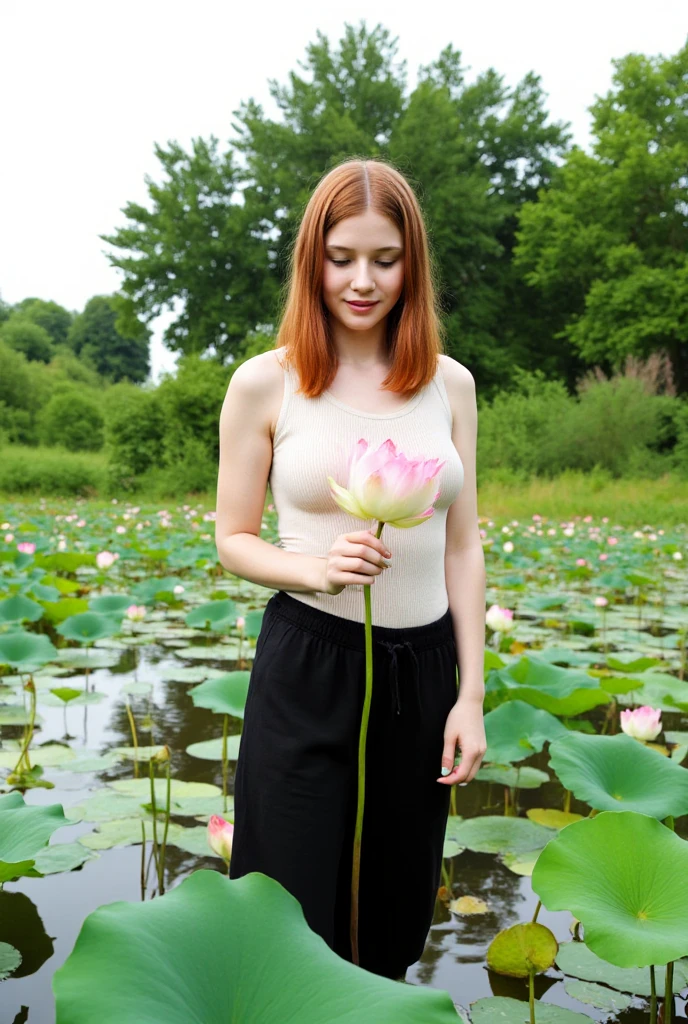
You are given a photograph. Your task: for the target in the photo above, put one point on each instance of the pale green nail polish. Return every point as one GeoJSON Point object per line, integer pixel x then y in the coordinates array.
{"type": "Point", "coordinates": [445, 771]}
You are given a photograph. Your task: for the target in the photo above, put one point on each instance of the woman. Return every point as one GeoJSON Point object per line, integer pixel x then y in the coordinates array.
{"type": "Point", "coordinates": [339, 372]}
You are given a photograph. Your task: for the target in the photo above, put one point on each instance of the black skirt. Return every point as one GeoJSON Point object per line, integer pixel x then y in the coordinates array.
{"type": "Point", "coordinates": [295, 787]}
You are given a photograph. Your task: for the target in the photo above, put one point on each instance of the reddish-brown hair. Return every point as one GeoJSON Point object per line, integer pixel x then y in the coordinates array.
{"type": "Point", "coordinates": [414, 332]}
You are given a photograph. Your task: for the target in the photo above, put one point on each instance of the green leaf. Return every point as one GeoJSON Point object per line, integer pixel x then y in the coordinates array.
{"type": "Point", "coordinates": [576, 959]}
{"type": "Point", "coordinates": [62, 857]}
{"type": "Point", "coordinates": [516, 729]}
{"type": "Point", "coordinates": [134, 961]}
{"type": "Point", "coordinates": [87, 627]}
{"type": "Point", "coordinates": [560, 691]}
{"type": "Point", "coordinates": [25, 829]}
{"type": "Point", "coordinates": [597, 995]}
{"type": "Point", "coordinates": [508, 775]}
{"type": "Point", "coordinates": [211, 750]}
{"type": "Point", "coordinates": [10, 958]}
{"type": "Point", "coordinates": [522, 948]}
{"type": "Point", "coordinates": [498, 834]}
{"type": "Point", "coordinates": [505, 1010]}
{"type": "Point", "coordinates": [214, 614]}
{"type": "Point", "coordinates": [225, 695]}
{"type": "Point", "coordinates": [614, 773]}
{"type": "Point", "coordinates": [634, 904]}
{"type": "Point", "coordinates": [19, 609]}
{"type": "Point", "coordinates": [26, 651]}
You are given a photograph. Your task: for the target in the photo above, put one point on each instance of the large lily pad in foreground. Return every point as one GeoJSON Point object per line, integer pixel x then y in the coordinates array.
{"type": "Point", "coordinates": [215, 949]}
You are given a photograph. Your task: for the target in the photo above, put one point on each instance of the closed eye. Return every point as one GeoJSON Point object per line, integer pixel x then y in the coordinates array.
{"type": "Point", "coordinates": [382, 263]}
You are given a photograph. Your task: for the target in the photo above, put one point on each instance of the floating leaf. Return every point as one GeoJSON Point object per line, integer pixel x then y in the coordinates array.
{"type": "Point", "coordinates": [26, 651]}
{"type": "Point", "coordinates": [498, 834]}
{"type": "Point", "coordinates": [597, 995]}
{"type": "Point", "coordinates": [505, 1010]}
{"type": "Point", "coordinates": [20, 609]}
{"type": "Point", "coordinates": [62, 857]}
{"type": "Point", "coordinates": [576, 959]}
{"type": "Point", "coordinates": [10, 958]}
{"type": "Point", "coordinates": [211, 750]}
{"type": "Point", "coordinates": [514, 777]}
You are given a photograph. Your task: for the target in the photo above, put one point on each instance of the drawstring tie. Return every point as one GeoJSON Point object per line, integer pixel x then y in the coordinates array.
{"type": "Point", "coordinates": [394, 669]}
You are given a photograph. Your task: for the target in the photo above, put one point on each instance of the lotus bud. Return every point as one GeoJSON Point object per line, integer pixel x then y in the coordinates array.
{"type": "Point", "coordinates": [162, 755]}
{"type": "Point", "coordinates": [220, 836]}
{"type": "Point", "coordinates": [642, 723]}
{"type": "Point", "coordinates": [136, 612]}
{"type": "Point", "coordinates": [501, 620]}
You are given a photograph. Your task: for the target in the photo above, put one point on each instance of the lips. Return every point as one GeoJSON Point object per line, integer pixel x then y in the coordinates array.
{"type": "Point", "coordinates": [361, 305]}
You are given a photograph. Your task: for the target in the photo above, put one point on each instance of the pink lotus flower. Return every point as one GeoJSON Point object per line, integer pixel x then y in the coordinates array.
{"type": "Point", "coordinates": [384, 484]}
{"type": "Point", "coordinates": [501, 620]}
{"type": "Point", "coordinates": [26, 547]}
{"type": "Point", "coordinates": [104, 559]}
{"type": "Point", "coordinates": [642, 723]}
{"type": "Point", "coordinates": [241, 622]}
{"type": "Point", "coordinates": [136, 612]}
{"type": "Point", "coordinates": [220, 836]}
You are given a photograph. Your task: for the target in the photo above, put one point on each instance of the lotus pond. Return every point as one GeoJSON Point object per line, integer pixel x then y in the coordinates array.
{"type": "Point", "coordinates": [125, 653]}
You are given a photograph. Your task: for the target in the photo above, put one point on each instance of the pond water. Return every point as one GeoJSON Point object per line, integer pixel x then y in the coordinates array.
{"type": "Point", "coordinates": [42, 916]}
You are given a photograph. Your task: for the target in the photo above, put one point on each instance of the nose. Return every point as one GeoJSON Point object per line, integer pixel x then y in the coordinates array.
{"type": "Point", "coordinates": [362, 280]}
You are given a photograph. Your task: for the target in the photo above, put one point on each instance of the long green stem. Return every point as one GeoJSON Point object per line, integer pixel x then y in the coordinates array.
{"type": "Point", "coordinates": [132, 726]}
{"type": "Point", "coordinates": [531, 995]}
{"type": "Point", "coordinates": [653, 996]}
{"type": "Point", "coordinates": [669, 993]}
{"type": "Point", "coordinates": [224, 762]}
{"type": "Point", "coordinates": [151, 772]}
{"type": "Point", "coordinates": [356, 874]}
{"type": "Point", "coordinates": [24, 755]}
{"type": "Point", "coordinates": [161, 866]}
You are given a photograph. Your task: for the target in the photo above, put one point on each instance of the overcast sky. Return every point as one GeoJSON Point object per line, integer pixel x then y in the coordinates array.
{"type": "Point", "coordinates": [89, 87]}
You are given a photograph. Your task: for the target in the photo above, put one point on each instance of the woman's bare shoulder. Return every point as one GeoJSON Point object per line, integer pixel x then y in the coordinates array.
{"type": "Point", "coordinates": [260, 380]}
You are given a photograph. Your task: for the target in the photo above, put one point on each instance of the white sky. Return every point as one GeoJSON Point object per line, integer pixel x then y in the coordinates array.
{"type": "Point", "coordinates": [88, 88]}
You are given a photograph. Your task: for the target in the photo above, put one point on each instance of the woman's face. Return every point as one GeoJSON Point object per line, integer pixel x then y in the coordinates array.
{"type": "Point", "coordinates": [364, 261]}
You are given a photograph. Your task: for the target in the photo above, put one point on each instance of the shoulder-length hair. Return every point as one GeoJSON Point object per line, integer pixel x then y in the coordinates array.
{"type": "Point", "coordinates": [414, 331]}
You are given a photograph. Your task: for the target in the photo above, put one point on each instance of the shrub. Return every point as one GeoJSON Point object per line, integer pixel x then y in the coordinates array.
{"type": "Point", "coordinates": [71, 419]}
{"type": "Point", "coordinates": [134, 432]}
{"type": "Point", "coordinates": [51, 471]}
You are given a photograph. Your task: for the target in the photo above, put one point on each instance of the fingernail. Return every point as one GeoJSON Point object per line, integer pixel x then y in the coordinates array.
{"type": "Point", "coordinates": [388, 554]}
{"type": "Point", "coordinates": [385, 565]}
{"type": "Point", "coordinates": [445, 771]}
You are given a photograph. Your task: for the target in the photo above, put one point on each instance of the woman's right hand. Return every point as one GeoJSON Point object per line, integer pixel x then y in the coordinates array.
{"type": "Point", "coordinates": [354, 558]}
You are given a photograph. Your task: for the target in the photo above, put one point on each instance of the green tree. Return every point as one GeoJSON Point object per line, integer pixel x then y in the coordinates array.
{"type": "Point", "coordinates": [52, 317]}
{"type": "Point", "coordinates": [606, 246]}
{"type": "Point", "coordinates": [115, 350]}
{"type": "Point", "coordinates": [24, 336]}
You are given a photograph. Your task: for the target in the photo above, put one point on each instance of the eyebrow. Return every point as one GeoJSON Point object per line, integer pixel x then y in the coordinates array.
{"type": "Point", "coordinates": [384, 248]}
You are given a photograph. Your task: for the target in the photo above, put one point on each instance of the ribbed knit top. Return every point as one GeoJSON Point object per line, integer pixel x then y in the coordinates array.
{"type": "Point", "coordinates": [313, 438]}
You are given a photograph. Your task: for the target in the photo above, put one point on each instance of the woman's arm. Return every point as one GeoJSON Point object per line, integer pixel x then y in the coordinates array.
{"type": "Point", "coordinates": [245, 460]}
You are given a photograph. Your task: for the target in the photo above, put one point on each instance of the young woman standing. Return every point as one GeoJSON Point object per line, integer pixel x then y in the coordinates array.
{"type": "Point", "coordinates": [358, 355]}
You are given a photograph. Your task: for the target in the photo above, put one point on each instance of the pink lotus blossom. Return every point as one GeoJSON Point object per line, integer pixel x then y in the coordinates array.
{"type": "Point", "coordinates": [104, 559]}
{"type": "Point", "coordinates": [179, 589]}
{"type": "Point", "coordinates": [26, 547]}
{"type": "Point", "coordinates": [642, 723]}
{"type": "Point", "coordinates": [241, 622]}
{"type": "Point", "coordinates": [601, 602]}
{"type": "Point", "coordinates": [136, 612]}
{"type": "Point", "coordinates": [9, 537]}
{"type": "Point", "coordinates": [221, 836]}
{"type": "Point", "coordinates": [499, 619]}
{"type": "Point", "coordinates": [384, 484]}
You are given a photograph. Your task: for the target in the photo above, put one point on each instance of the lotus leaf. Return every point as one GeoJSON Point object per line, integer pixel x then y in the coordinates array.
{"type": "Point", "coordinates": [254, 958]}
{"type": "Point", "coordinates": [634, 905]}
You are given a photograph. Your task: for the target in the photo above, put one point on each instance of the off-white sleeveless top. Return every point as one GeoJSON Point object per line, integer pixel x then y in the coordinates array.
{"type": "Point", "coordinates": [313, 437]}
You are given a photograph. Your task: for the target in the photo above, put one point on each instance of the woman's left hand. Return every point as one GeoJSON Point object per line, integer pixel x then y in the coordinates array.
{"type": "Point", "coordinates": [464, 727]}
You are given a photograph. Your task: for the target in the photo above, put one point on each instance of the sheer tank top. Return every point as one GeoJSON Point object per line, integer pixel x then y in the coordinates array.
{"type": "Point", "coordinates": [313, 439]}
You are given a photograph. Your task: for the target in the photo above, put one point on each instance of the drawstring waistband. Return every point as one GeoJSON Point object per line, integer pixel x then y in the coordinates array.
{"type": "Point", "coordinates": [394, 670]}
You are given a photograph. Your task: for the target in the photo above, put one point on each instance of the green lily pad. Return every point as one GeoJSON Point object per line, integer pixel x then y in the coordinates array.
{"type": "Point", "coordinates": [25, 829]}
{"type": "Point", "coordinates": [597, 995]}
{"type": "Point", "coordinates": [83, 658]}
{"type": "Point", "coordinates": [634, 904]}
{"type": "Point", "coordinates": [62, 857]}
{"type": "Point", "coordinates": [516, 730]}
{"type": "Point", "coordinates": [126, 949]}
{"type": "Point", "coordinates": [619, 773]}
{"type": "Point", "coordinates": [498, 834]}
{"type": "Point", "coordinates": [452, 848]}
{"type": "Point", "coordinates": [85, 697]}
{"type": "Point", "coordinates": [91, 761]}
{"type": "Point", "coordinates": [87, 627]}
{"type": "Point", "coordinates": [577, 960]}
{"type": "Point", "coordinates": [20, 609]}
{"type": "Point", "coordinates": [225, 694]}
{"type": "Point", "coordinates": [10, 959]}
{"type": "Point", "coordinates": [521, 949]}
{"type": "Point", "coordinates": [211, 750]}
{"type": "Point", "coordinates": [26, 651]}
{"type": "Point", "coordinates": [505, 1010]}
{"type": "Point", "coordinates": [49, 756]}
{"type": "Point", "coordinates": [514, 777]}
{"type": "Point", "coordinates": [214, 614]}
{"type": "Point", "coordinates": [140, 753]}
{"type": "Point", "coordinates": [187, 673]}
{"type": "Point", "coordinates": [111, 604]}
{"type": "Point", "coordinates": [178, 788]}
{"type": "Point", "coordinates": [560, 691]}
{"type": "Point", "coordinates": [136, 689]}
{"type": "Point", "coordinates": [15, 714]}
